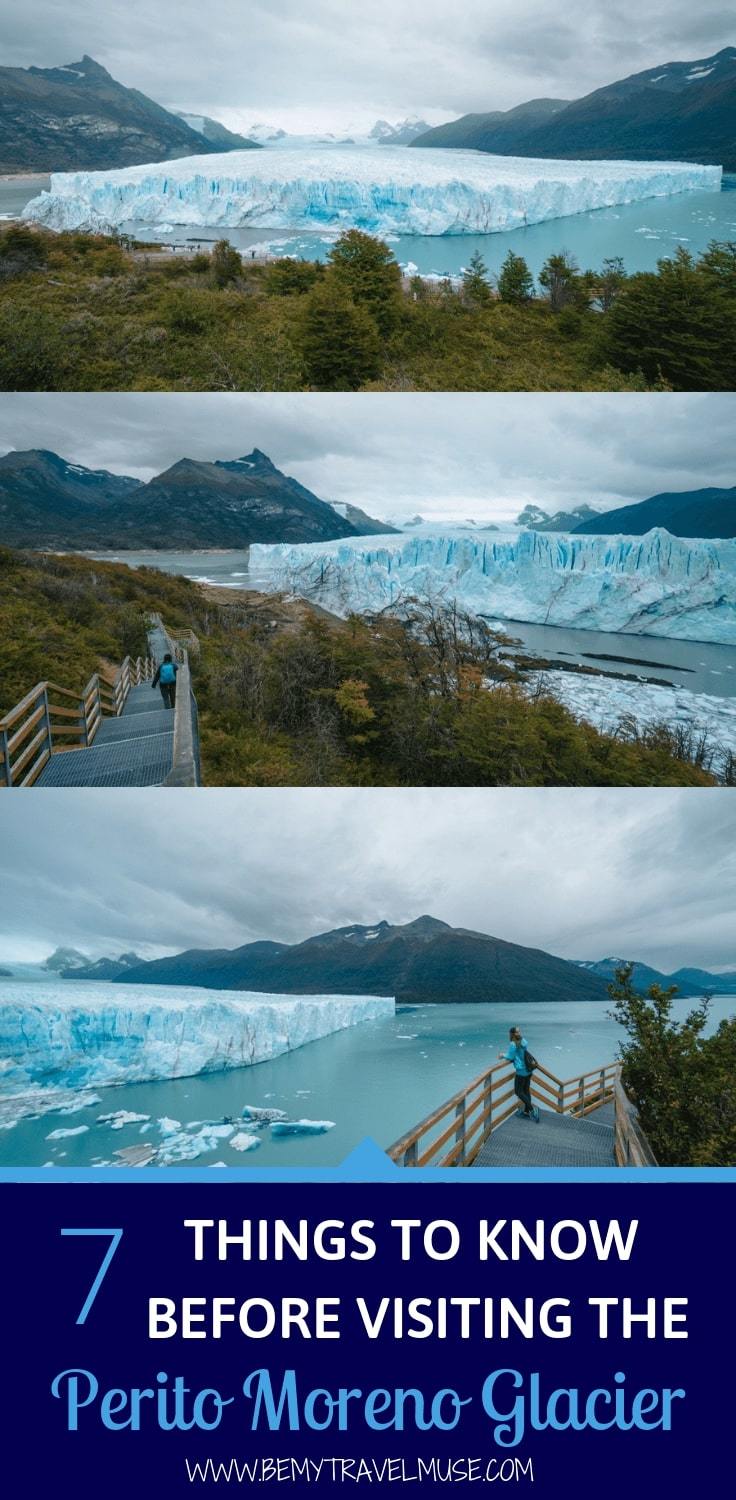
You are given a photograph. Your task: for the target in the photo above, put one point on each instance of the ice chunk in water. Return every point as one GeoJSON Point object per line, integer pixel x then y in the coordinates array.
{"type": "Point", "coordinates": [244, 1142]}
{"type": "Point", "coordinates": [301, 1127]}
{"type": "Point", "coordinates": [263, 1116]}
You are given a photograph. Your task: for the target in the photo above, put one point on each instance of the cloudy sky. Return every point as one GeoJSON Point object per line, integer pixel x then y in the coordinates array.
{"type": "Point", "coordinates": [441, 456]}
{"type": "Point", "coordinates": [584, 874]}
{"type": "Point", "coordinates": [329, 64]}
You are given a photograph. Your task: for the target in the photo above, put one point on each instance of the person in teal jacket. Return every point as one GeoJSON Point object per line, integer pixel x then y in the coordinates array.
{"type": "Point", "coordinates": [165, 680]}
{"type": "Point", "coordinates": [516, 1053]}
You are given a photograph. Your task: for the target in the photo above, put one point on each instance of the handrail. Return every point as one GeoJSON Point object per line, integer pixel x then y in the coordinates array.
{"type": "Point", "coordinates": [630, 1144]}
{"type": "Point", "coordinates": [474, 1112]}
{"type": "Point", "coordinates": [24, 754]}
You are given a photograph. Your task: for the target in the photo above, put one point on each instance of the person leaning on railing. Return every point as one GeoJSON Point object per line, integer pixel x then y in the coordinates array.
{"type": "Point", "coordinates": [518, 1053]}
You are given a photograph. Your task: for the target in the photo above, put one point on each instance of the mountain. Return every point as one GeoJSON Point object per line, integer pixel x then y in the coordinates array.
{"type": "Point", "coordinates": [218, 135]}
{"type": "Point", "coordinates": [362, 524]}
{"type": "Point", "coordinates": [265, 135]}
{"type": "Point", "coordinates": [688, 513]}
{"type": "Point", "coordinates": [227, 504]}
{"type": "Point", "coordinates": [500, 131]}
{"type": "Point", "coordinates": [102, 968]}
{"type": "Point", "coordinates": [66, 958]}
{"type": "Point", "coordinates": [701, 979]}
{"type": "Point", "coordinates": [425, 961]}
{"type": "Point", "coordinates": [535, 519]}
{"type": "Point", "coordinates": [691, 983]}
{"type": "Point", "coordinates": [402, 134]}
{"type": "Point", "coordinates": [682, 111]}
{"type": "Point", "coordinates": [46, 502]}
{"type": "Point", "coordinates": [78, 118]}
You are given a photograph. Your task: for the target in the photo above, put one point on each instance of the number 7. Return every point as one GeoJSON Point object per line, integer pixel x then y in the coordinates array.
{"type": "Point", "coordinates": [115, 1236]}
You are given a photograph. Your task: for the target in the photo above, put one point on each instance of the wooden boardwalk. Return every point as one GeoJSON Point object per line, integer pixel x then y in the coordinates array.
{"type": "Point", "coordinates": [135, 749]}
{"type": "Point", "coordinates": [112, 734]}
{"type": "Point", "coordinates": [557, 1141]}
{"type": "Point", "coordinates": [585, 1121]}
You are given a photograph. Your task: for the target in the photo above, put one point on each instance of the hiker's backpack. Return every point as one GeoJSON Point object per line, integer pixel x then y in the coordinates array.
{"type": "Point", "coordinates": [168, 672]}
{"type": "Point", "coordinates": [530, 1061]}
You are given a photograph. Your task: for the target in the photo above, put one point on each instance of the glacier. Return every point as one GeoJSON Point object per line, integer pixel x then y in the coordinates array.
{"type": "Point", "coordinates": [53, 1047]}
{"type": "Point", "coordinates": [605, 701]}
{"type": "Point", "coordinates": [656, 584]}
{"type": "Point", "coordinates": [383, 190]}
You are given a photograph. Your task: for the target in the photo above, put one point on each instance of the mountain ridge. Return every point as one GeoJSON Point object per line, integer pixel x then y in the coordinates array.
{"type": "Point", "coordinates": [708, 513]}
{"type": "Point", "coordinates": [674, 111]}
{"type": "Point", "coordinates": [425, 961]}
{"type": "Point", "coordinates": [79, 118]}
{"type": "Point", "coordinates": [48, 502]}
{"type": "Point", "coordinates": [691, 983]}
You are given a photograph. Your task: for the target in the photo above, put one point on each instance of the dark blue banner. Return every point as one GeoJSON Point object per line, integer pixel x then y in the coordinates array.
{"type": "Point", "coordinates": [180, 1338]}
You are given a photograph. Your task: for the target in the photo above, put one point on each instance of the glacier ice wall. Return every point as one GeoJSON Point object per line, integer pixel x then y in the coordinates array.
{"type": "Point", "coordinates": [100, 1037]}
{"type": "Point", "coordinates": [381, 189]}
{"type": "Point", "coordinates": [657, 584]}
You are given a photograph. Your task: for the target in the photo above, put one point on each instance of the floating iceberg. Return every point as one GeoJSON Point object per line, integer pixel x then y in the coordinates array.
{"type": "Point", "coordinates": [380, 189]}
{"type": "Point", "coordinates": [152, 1032]}
{"type": "Point", "coordinates": [657, 584]}
{"type": "Point", "coordinates": [244, 1142]}
{"type": "Point", "coordinates": [302, 1127]}
{"type": "Point", "coordinates": [263, 1116]}
{"type": "Point", "coordinates": [119, 1118]}
{"type": "Point", "coordinates": [184, 1146]}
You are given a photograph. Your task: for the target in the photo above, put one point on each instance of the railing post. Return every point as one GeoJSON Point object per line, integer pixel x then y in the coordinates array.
{"type": "Point", "coordinates": [581, 1094]}
{"type": "Point", "coordinates": [561, 1098]}
{"type": "Point", "coordinates": [411, 1154]}
{"type": "Point", "coordinates": [47, 721]}
{"type": "Point", "coordinates": [460, 1132]}
{"type": "Point", "coordinates": [6, 758]}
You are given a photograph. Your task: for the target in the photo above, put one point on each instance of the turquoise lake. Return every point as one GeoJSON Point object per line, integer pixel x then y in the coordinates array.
{"type": "Point", "coordinates": [375, 1079]}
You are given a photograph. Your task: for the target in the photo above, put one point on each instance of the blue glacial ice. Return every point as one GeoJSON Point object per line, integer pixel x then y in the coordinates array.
{"type": "Point", "coordinates": [656, 584]}
{"type": "Point", "coordinates": [54, 1044]}
{"type": "Point", "coordinates": [384, 190]}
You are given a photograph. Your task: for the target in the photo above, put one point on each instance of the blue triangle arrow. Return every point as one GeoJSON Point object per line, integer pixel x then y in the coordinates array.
{"type": "Point", "coordinates": [368, 1160]}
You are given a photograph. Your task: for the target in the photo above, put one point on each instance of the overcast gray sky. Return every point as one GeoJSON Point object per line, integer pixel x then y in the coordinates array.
{"type": "Point", "coordinates": [331, 63]}
{"type": "Point", "coordinates": [584, 873]}
{"type": "Point", "coordinates": [442, 456]}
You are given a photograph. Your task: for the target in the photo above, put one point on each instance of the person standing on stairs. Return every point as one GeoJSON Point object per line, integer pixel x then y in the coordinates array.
{"type": "Point", "coordinates": [518, 1053]}
{"type": "Point", "coordinates": [165, 680]}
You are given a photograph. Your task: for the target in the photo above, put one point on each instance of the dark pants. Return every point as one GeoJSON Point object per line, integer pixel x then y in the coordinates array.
{"type": "Point", "coordinates": [522, 1089]}
{"type": "Point", "coordinates": [168, 693]}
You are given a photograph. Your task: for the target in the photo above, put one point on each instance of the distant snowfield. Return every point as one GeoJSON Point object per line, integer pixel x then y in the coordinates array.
{"type": "Point", "coordinates": [381, 189]}
{"type": "Point", "coordinates": [658, 584]}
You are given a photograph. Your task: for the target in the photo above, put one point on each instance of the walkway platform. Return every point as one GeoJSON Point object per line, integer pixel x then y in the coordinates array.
{"type": "Point", "coordinates": [136, 749]}
{"type": "Point", "coordinates": [557, 1141]}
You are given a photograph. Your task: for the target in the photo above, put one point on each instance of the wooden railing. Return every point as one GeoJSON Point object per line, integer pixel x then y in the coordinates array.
{"type": "Point", "coordinates": [631, 1146]}
{"type": "Point", "coordinates": [52, 718]}
{"type": "Point", "coordinates": [453, 1134]}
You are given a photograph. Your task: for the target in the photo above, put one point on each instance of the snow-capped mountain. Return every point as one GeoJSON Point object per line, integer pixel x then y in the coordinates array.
{"type": "Point", "coordinates": [400, 134]}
